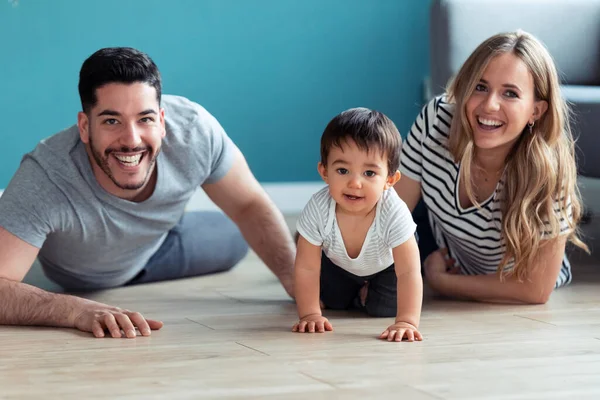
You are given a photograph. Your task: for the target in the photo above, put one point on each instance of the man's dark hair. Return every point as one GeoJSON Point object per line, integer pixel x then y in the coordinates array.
{"type": "Point", "coordinates": [115, 65]}
{"type": "Point", "coordinates": [369, 129]}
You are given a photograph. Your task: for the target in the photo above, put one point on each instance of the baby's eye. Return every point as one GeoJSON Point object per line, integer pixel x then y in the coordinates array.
{"type": "Point", "coordinates": [370, 174]}
{"type": "Point", "coordinates": [342, 171]}
{"type": "Point", "coordinates": [480, 88]}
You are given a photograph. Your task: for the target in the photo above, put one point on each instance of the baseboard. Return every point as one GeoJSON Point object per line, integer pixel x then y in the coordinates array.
{"type": "Point", "coordinates": [289, 197]}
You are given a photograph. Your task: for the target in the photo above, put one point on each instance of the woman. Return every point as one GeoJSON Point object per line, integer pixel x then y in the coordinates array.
{"type": "Point", "coordinates": [493, 162]}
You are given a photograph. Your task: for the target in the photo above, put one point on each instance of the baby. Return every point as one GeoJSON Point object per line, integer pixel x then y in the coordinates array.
{"type": "Point", "coordinates": [356, 244]}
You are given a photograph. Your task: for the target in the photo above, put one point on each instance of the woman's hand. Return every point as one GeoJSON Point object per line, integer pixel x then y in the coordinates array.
{"type": "Point", "coordinates": [437, 265]}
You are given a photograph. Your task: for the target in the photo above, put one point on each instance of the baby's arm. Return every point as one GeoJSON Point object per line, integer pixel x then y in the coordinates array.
{"type": "Point", "coordinates": [307, 274]}
{"type": "Point", "coordinates": [410, 293]}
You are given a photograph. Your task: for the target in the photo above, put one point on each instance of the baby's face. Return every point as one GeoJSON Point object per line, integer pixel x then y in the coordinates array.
{"type": "Point", "coordinates": [356, 178]}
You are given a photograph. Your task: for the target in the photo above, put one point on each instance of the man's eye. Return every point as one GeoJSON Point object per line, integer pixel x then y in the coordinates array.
{"type": "Point", "coordinates": [111, 121]}
{"type": "Point", "coordinates": [370, 173]}
{"type": "Point", "coordinates": [342, 171]}
{"type": "Point", "coordinates": [147, 120]}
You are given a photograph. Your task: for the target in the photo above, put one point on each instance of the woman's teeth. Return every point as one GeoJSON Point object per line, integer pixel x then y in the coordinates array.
{"type": "Point", "coordinates": [489, 122]}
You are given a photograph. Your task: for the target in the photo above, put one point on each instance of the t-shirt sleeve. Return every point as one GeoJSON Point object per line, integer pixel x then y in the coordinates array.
{"type": "Point", "coordinates": [218, 153]}
{"type": "Point", "coordinates": [411, 155]}
{"type": "Point", "coordinates": [310, 224]}
{"type": "Point", "coordinates": [399, 225]}
{"type": "Point", "coordinates": [28, 206]}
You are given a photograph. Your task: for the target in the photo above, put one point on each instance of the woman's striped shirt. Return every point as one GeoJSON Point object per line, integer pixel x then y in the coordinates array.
{"type": "Point", "coordinates": [472, 235]}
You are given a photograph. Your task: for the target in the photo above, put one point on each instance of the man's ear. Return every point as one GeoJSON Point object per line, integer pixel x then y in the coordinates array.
{"type": "Point", "coordinates": [162, 122]}
{"type": "Point", "coordinates": [539, 109]}
{"type": "Point", "coordinates": [83, 123]}
{"type": "Point", "coordinates": [322, 171]}
{"type": "Point", "coordinates": [392, 179]}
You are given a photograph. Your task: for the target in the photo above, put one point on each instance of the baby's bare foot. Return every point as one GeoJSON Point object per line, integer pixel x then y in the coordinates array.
{"type": "Point", "coordinates": [362, 294]}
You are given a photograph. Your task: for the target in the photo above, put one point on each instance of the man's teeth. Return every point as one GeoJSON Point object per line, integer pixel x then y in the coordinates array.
{"type": "Point", "coordinates": [489, 122]}
{"type": "Point", "coordinates": [130, 160]}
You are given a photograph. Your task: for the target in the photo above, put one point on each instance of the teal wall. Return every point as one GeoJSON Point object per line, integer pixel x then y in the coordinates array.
{"type": "Point", "coordinates": [274, 72]}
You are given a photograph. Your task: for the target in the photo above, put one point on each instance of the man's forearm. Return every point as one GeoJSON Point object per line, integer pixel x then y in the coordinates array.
{"type": "Point", "coordinates": [266, 232]}
{"type": "Point", "coordinates": [22, 304]}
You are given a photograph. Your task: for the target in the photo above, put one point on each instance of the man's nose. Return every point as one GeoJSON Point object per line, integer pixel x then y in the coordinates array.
{"type": "Point", "coordinates": [131, 136]}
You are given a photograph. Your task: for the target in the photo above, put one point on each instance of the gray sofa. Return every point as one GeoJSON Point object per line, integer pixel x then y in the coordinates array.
{"type": "Point", "coordinates": [571, 31]}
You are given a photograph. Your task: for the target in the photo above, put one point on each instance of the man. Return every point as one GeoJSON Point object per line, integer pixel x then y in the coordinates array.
{"type": "Point", "coordinates": [101, 204]}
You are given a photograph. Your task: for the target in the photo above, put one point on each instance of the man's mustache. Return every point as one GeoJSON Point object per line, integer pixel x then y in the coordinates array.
{"type": "Point", "coordinates": [128, 150]}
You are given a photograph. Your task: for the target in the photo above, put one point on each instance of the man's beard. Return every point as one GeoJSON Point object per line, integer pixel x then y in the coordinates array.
{"type": "Point", "coordinates": [102, 162]}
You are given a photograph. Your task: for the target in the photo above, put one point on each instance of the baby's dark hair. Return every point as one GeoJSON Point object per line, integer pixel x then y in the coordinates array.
{"type": "Point", "coordinates": [369, 129]}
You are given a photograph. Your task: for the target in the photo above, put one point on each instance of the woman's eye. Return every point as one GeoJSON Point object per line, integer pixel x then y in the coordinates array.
{"type": "Point", "coordinates": [480, 88]}
{"type": "Point", "coordinates": [511, 94]}
{"type": "Point", "coordinates": [342, 171]}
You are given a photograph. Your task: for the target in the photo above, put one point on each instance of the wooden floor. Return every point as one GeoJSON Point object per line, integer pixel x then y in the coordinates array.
{"type": "Point", "coordinates": [228, 336]}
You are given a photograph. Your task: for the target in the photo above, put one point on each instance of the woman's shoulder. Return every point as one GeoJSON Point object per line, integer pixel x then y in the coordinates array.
{"type": "Point", "coordinates": [436, 119]}
{"type": "Point", "coordinates": [439, 104]}
{"type": "Point", "coordinates": [443, 108]}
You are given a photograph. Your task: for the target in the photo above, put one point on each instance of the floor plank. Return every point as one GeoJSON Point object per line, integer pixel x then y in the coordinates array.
{"type": "Point", "coordinates": [229, 336]}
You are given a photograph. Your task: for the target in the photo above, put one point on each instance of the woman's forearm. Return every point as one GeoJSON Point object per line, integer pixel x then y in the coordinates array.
{"type": "Point", "coordinates": [489, 288]}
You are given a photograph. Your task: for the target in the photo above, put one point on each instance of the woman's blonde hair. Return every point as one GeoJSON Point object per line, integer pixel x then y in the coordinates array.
{"type": "Point", "coordinates": [541, 172]}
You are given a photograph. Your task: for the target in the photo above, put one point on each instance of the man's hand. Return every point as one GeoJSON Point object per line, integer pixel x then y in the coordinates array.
{"type": "Point", "coordinates": [99, 319]}
{"type": "Point", "coordinates": [312, 323]}
{"type": "Point", "coordinates": [401, 330]}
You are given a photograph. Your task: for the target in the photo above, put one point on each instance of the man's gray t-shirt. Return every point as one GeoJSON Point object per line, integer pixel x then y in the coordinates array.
{"type": "Point", "coordinates": [89, 238]}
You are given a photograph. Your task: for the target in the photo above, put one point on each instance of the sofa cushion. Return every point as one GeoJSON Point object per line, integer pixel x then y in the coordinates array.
{"type": "Point", "coordinates": [570, 30]}
{"type": "Point", "coordinates": [585, 102]}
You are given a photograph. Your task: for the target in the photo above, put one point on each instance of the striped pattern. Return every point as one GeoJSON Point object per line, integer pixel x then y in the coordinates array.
{"type": "Point", "coordinates": [472, 236]}
{"type": "Point", "coordinates": [392, 226]}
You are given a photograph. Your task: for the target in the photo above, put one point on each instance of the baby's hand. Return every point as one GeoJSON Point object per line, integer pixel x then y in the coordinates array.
{"type": "Point", "coordinates": [401, 330]}
{"type": "Point", "coordinates": [312, 323]}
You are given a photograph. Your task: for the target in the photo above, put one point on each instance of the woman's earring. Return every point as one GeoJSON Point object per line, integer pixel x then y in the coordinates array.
{"type": "Point", "coordinates": [530, 125]}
